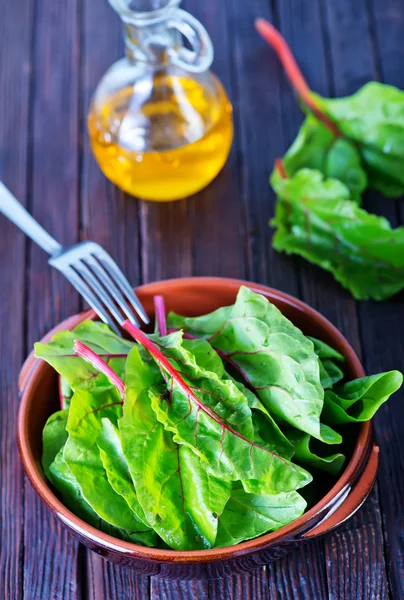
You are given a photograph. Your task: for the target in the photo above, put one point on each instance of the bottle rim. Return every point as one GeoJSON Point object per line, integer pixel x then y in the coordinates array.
{"type": "Point", "coordinates": [143, 17]}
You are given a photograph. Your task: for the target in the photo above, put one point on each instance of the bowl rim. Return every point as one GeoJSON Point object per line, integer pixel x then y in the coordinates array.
{"type": "Point", "coordinates": [33, 367]}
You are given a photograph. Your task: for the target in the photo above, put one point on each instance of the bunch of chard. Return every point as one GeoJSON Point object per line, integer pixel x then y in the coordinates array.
{"type": "Point", "coordinates": [344, 146]}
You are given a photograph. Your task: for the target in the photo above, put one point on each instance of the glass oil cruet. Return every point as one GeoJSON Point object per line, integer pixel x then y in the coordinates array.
{"type": "Point", "coordinates": [160, 122]}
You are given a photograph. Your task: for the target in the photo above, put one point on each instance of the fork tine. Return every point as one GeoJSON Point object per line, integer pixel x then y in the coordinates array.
{"type": "Point", "coordinates": [109, 283]}
{"type": "Point", "coordinates": [120, 279]}
{"type": "Point", "coordinates": [89, 296]}
{"type": "Point", "coordinates": [98, 289]}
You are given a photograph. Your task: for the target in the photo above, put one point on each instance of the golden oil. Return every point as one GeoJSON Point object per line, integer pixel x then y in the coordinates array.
{"type": "Point", "coordinates": [164, 139]}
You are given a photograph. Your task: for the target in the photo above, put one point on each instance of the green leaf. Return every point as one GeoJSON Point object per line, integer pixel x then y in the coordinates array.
{"type": "Point", "coordinates": [222, 396]}
{"type": "Point", "coordinates": [247, 516]}
{"type": "Point", "coordinates": [224, 452]}
{"type": "Point", "coordinates": [65, 391]}
{"type": "Point", "coordinates": [270, 352]}
{"type": "Point", "coordinates": [54, 436]}
{"type": "Point", "coordinates": [325, 351]}
{"type": "Point", "coordinates": [373, 119]}
{"type": "Point", "coordinates": [330, 373]}
{"type": "Point", "coordinates": [117, 471]}
{"type": "Point", "coordinates": [66, 484]}
{"type": "Point", "coordinates": [358, 400]}
{"type": "Point", "coordinates": [315, 219]}
{"type": "Point", "coordinates": [165, 474]}
{"type": "Point", "coordinates": [316, 147]}
{"type": "Point", "coordinates": [266, 431]}
{"type": "Point", "coordinates": [77, 372]}
{"type": "Point", "coordinates": [64, 481]}
{"type": "Point", "coordinates": [82, 454]}
{"type": "Point", "coordinates": [308, 458]}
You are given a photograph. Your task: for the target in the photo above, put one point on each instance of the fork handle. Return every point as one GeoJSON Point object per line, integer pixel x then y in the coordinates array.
{"type": "Point", "coordinates": [14, 210]}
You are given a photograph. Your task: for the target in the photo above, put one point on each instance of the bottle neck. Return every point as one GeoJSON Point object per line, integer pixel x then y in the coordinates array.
{"type": "Point", "coordinates": [151, 44]}
{"type": "Point", "coordinates": [154, 31]}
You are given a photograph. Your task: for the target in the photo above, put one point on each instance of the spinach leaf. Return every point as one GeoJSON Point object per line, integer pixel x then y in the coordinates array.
{"type": "Point", "coordinates": [316, 147]}
{"type": "Point", "coordinates": [315, 219]}
{"type": "Point", "coordinates": [273, 355]}
{"type": "Point", "coordinates": [165, 474]}
{"type": "Point", "coordinates": [373, 119]}
{"type": "Point", "coordinates": [358, 400]}
{"type": "Point", "coordinates": [309, 458]}
{"type": "Point", "coordinates": [77, 372]}
{"type": "Point", "coordinates": [225, 453]}
{"type": "Point", "coordinates": [54, 436]}
{"type": "Point", "coordinates": [248, 515]}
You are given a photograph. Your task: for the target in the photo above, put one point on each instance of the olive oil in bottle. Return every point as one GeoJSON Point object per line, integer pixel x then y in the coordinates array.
{"type": "Point", "coordinates": [160, 122]}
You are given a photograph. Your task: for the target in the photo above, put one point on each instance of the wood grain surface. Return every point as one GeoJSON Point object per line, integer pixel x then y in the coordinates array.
{"type": "Point", "coordinates": [52, 54]}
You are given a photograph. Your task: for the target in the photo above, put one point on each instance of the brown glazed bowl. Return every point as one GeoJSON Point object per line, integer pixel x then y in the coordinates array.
{"type": "Point", "coordinates": [195, 296]}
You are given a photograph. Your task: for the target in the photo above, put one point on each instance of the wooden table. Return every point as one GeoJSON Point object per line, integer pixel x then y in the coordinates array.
{"type": "Point", "coordinates": [52, 54]}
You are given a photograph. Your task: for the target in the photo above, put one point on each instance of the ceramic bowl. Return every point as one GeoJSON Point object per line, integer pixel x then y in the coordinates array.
{"type": "Point", "coordinates": [194, 296]}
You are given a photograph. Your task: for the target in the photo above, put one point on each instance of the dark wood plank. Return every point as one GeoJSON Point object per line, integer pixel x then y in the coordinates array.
{"type": "Point", "coordinates": [108, 581]}
{"type": "Point", "coordinates": [51, 568]}
{"type": "Point", "coordinates": [15, 23]}
{"type": "Point", "coordinates": [112, 220]}
{"type": "Point", "coordinates": [219, 231]}
{"type": "Point", "coordinates": [355, 565]}
{"type": "Point", "coordinates": [248, 586]}
{"type": "Point", "coordinates": [163, 589]}
{"type": "Point", "coordinates": [205, 234]}
{"type": "Point", "coordinates": [354, 63]}
{"type": "Point", "coordinates": [300, 574]}
{"type": "Point", "coordinates": [380, 320]}
{"type": "Point", "coordinates": [259, 136]}
{"type": "Point", "coordinates": [302, 25]}
{"type": "Point", "coordinates": [107, 216]}
{"type": "Point", "coordinates": [387, 19]}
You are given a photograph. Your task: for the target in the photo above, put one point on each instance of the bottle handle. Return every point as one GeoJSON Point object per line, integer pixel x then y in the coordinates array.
{"type": "Point", "coordinates": [200, 56]}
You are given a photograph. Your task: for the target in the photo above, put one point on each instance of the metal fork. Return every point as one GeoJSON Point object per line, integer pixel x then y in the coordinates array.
{"type": "Point", "coordinates": [87, 266]}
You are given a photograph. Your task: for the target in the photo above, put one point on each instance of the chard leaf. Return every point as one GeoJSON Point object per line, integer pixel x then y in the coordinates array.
{"type": "Point", "coordinates": [222, 396]}
{"type": "Point", "coordinates": [358, 400]}
{"type": "Point", "coordinates": [316, 147]}
{"type": "Point", "coordinates": [306, 456]}
{"type": "Point", "coordinates": [117, 469]}
{"type": "Point", "coordinates": [167, 475]}
{"type": "Point", "coordinates": [330, 373]}
{"type": "Point", "coordinates": [54, 436]}
{"type": "Point", "coordinates": [373, 119]}
{"type": "Point", "coordinates": [248, 515]}
{"type": "Point", "coordinates": [66, 484]}
{"type": "Point", "coordinates": [82, 454]}
{"type": "Point", "coordinates": [64, 481]}
{"type": "Point", "coordinates": [325, 351]}
{"type": "Point", "coordinates": [266, 431]}
{"type": "Point", "coordinates": [77, 372]}
{"type": "Point", "coordinates": [224, 452]}
{"type": "Point", "coordinates": [273, 355]}
{"type": "Point", "coordinates": [65, 392]}
{"type": "Point", "coordinates": [315, 219]}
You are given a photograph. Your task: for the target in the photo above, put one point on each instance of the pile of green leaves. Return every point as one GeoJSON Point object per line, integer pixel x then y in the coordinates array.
{"type": "Point", "coordinates": [344, 146]}
{"type": "Point", "coordinates": [203, 437]}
